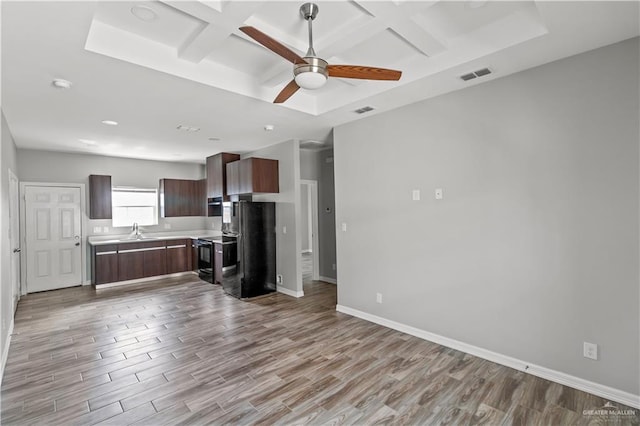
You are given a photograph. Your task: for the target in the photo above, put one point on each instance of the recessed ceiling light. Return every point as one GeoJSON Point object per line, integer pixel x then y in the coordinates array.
{"type": "Point", "coordinates": [61, 83]}
{"type": "Point", "coordinates": [214, 139]}
{"type": "Point", "coordinates": [269, 127]}
{"type": "Point", "coordinates": [88, 142]}
{"type": "Point", "coordinates": [109, 122]}
{"type": "Point", "coordinates": [144, 13]}
{"type": "Point", "coordinates": [188, 128]}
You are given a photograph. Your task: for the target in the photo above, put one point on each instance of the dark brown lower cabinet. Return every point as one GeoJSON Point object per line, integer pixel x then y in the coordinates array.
{"type": "Point", "coordinates": [105, 264]}
{"type": "Point", "coordinates": [130, 264]}
{"type": "Point", "coordinates": [135, 260]}
{"type": "Point", "coordinates": [178, 256]}
{"type": "Point", "coordinates": [155, 261]}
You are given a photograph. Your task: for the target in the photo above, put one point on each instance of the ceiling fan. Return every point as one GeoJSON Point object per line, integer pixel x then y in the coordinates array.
{"type": "Point", "coordinates": [310, 71]}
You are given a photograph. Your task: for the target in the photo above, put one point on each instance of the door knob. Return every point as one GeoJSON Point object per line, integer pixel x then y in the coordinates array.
{"type": "Point", "coordinates": [77, 244]}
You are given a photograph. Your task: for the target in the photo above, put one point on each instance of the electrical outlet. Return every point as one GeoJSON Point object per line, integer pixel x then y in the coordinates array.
{"type": "Point", "coordinates": [438, 194]}
{"type": "Point", "coordinates": [279, 279]}
{"type": "Point", "coordinates": [379, 297]}
{"type": "Point", "coordinates": [97, 229]}
{"type": "Point", "coordinates": [590, 350]}
{"type": "Point", "coordinates": [105, 229]}
{"type": "Point", "coordinates": [344, 226]}
{"type": "Point", "coordinates": [333, 266]}
{"type": "Point", "coordinates": [167, 226]}
{"type": "Point", "coordinates": [284, 229]}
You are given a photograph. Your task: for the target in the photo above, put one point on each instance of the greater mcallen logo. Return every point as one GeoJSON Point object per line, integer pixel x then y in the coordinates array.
{"type": "Point", "coordinates": [610, 410]}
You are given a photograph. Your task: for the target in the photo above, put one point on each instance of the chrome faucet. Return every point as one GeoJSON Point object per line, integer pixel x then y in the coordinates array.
{"type": "Point", "coordinates": [135, 229]}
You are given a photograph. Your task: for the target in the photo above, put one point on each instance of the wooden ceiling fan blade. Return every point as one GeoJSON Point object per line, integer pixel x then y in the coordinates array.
{"type": "Point", "coordinates": [272, 44]}
{"type": "Point", "coordinates": [363, 72]}
{"type": "Point", "coordinates": [287, 92]}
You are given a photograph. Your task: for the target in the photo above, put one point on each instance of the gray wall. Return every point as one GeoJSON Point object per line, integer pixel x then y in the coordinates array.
{"type": "Point", "coordinates": [46, 166]}
{"type": "Point", "coordinates": [534, 248]}
{"type": "Point", "coordinates": [7, 162]}
{"type": "Point", "coordinates": [288, 262]}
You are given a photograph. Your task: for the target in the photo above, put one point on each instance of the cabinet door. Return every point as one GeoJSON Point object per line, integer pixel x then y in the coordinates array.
{"type": "Point", "coordinates": [155, 261]}
{"type": "Point", "coordinates": [105, 264]}
{"type": "Point", "coordinates": [233, 178]}
{"type": "Point", "coordinates": [218, 263]}
{"type": "Point", "coordinates": [199, 199]}
{"type": "Point", "coordinates": [264, 175]}
{"type": "Point", "coordinates": [217, 174]}
{"type": "Point", "coordinates": [178, 256]}
{"type": "Point", "coordinates": [99, 197]}
{"type": "Point", "coordinates": [130, 264]}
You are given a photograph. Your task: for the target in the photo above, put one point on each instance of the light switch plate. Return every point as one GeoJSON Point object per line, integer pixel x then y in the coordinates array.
{"type": "Point", "coordinates": [344, 226]}
{"type": "Point", "coordinates": [97, 229]}
{"type": "Point", "coordinates": [105, 229]}
{"type": "Point", "coordinates": [416, 195]}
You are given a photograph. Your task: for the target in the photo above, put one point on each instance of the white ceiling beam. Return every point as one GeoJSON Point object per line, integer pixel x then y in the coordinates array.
{"type": "Point", "coordinates": [398, 19]}
{"type": "Point", "coordinates": [219, 26]}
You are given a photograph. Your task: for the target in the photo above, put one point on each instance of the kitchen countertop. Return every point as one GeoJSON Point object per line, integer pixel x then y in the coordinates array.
{"type": "Point", "coordinates": [97, 240]}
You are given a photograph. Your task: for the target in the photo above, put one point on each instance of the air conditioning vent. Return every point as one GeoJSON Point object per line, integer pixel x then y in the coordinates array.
{"type": "Point", "coordinates": [480, 73]}
{"type": "Point", "coordinates": [363, 110]}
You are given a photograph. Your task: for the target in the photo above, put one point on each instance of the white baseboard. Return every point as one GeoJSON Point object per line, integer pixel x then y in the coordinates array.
{"type": "Point", "coordinates": [5, 351]}
{"type": "Point", "coordinates": [329, 280]}
{"type": "Point", "coordinates": [291, 293]}
{"type": "Point", "coordinates": [543, 372]}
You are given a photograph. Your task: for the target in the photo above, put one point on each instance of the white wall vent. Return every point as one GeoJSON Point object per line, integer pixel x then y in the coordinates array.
{"type": "Point", "coordinates": [480, 73]}
{"type": "Point", "coordinates": [363, 110]}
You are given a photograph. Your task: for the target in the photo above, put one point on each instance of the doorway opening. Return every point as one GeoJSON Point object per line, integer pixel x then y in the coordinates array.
{"type": "Point", "coordinates": [309, 226]}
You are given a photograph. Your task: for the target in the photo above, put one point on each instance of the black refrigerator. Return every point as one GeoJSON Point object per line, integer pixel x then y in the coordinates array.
{"type": "Point", "coordinates": [253, 224]}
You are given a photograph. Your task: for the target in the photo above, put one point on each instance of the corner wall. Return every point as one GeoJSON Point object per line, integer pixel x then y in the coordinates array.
{"type": "Point", "coordinates": [535, 247]}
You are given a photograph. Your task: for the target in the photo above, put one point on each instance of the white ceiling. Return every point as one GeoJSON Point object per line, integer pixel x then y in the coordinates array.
{"type": "Point", "coordinates": [191, 66]}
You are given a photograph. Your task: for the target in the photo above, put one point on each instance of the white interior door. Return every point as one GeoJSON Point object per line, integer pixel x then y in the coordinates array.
{"type": "Point", "coordinates": [53, 237]}
{"type": "Point", "coordinates": [14, 238]}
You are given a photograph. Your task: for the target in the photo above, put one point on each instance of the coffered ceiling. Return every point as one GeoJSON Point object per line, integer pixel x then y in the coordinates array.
{"type": "Point", "coordinates": [153, 66]}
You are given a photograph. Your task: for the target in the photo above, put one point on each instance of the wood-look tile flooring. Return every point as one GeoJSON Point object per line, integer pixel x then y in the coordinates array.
{"type": "Point", "coordinates": [180, 351]}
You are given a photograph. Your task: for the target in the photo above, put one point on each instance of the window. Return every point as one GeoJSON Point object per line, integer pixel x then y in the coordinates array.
{"type": "Point", "coordinates": [134, 205]}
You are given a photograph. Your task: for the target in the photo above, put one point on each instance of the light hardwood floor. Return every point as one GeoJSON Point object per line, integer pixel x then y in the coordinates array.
{"type": "Point", "coordinates": [180, 351]}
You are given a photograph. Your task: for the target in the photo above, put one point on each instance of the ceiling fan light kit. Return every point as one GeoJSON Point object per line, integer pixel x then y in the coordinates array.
{"type": "Point", "coordinates": [312, 72]}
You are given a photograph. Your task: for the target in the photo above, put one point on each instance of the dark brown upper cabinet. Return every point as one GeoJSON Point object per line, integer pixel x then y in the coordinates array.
{"type": "Point", "coordinates": [252, 175]}
{"type": "Point", "coordinates": [99, 197]}
{"type": "Point", "coordinates": [217, 176]}
{"type": "Point", "coordinates": [182, 197]}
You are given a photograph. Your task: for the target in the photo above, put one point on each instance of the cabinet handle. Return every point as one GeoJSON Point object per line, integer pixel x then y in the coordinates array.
{"type": "Point", "coordinates": [102, 253]}
{"type": "Point", "coordinates": [218, 251]}
{"type": "Point", "coordinates": [142, 249]}
{"type": "Point", "coordinates": [182, 246]}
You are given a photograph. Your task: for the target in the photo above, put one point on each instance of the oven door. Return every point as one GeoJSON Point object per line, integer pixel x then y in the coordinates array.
{"type": "Point", "coordinates": [205, 260]}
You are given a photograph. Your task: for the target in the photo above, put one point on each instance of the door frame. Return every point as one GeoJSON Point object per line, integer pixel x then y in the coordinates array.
{"type": "Point", "coordinates": [15, 237]}
{"type": "Point", "coordinates": [312, 186]}
{"type": "Point", "coordinates": [83, 226]}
